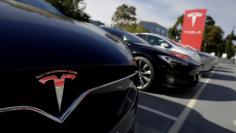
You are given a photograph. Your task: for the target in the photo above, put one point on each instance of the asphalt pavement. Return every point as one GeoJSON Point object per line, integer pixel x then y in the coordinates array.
{"type": "Point", "coordinates": [210, 107]}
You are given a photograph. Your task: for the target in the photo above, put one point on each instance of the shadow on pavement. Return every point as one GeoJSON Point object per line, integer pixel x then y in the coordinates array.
{"type": "Point", "coordinates": [212, 92]}
{"type": "Point", "coordinates": [227, 61]}
{"type": "Point", "coordinates": [222, 70]}
{"type": "Point", "coordinates": [196, 123]}
{"type": "Point", "coordinates": [220, 76]}
{"type": "Point", "coordinates": [148, 122]}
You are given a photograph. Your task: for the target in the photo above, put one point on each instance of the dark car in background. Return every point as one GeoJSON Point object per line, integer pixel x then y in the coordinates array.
{"type": "Point", "coordinates": [158, 66]}
{"type": "Point", "coordinates": [59, 74]}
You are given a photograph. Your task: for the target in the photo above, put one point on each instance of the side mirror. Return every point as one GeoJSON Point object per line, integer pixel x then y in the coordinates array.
{"type": "Point", "coordinates": [164, 45]}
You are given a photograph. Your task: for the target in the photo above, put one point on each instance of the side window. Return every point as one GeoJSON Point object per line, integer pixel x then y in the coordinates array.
{"type": "Point", "coordinates": [142, 36]}
{"type": "Point", "coordinates": [153, 40]}
{"type": "Point", "coordinates": [164, 44]}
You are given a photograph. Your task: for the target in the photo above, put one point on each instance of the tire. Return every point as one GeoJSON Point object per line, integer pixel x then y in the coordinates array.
{"type": "Point", "coordinates": [146, 73]}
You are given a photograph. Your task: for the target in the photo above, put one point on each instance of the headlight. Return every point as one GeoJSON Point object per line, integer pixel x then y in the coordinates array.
{"type": "Point", "coordinates": [173, 61]}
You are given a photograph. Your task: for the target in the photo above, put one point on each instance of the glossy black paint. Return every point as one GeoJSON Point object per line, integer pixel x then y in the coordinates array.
{"type": "Point", "coordinates": [35, 42]}
{"type": "Point", "coordinates": [42, 4]}
{"type": "Point", "coordinates": [184, 75]}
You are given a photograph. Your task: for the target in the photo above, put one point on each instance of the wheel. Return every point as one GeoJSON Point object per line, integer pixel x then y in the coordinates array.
{"type": "Point", "coordinates": [146, 73]}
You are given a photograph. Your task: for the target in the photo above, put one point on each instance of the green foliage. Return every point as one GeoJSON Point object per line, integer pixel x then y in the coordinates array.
{"type": "Point", "coordinates": [229, 46]}
{"type": "Point", "coordinates": [209, 21]}
{"type": "Point", "coordinates": [179, 22]}
{"type": "Point", "coordinates": [213, 35]}
{"type": "Point", "coordinates": [134, 28]}
{"type": "Point", "coordinates": [124, 15]}
{"type": "Point", "coordinates": [71, 8]}
{"type": "Point", "coordinates": [125, 18]}
{"type": "Point", "coordinates": [174, 34]}
{"type": "Point", "coordinates": [175, 31]}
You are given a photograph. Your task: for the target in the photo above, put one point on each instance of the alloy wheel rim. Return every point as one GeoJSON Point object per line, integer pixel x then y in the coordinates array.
{"type": "Point", "coordinates": [144, 74]}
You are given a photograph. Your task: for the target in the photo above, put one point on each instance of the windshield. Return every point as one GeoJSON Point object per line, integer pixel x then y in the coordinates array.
{"type": "Point", "coordinates": [125, 36]}
{"type": "Point", "coordinates": [133, 38]}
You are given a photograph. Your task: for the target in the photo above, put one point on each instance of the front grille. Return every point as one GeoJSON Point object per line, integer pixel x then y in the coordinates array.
{"type": "Point", "coordinates": [24, 89]}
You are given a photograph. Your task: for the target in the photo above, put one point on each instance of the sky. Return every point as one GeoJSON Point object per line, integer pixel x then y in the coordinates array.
{"type": "Point", "coordinates": [165, 12]}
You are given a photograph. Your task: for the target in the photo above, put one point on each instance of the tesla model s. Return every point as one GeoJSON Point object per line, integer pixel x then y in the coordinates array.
{"type": "Point", "coordinates": [158, 66]}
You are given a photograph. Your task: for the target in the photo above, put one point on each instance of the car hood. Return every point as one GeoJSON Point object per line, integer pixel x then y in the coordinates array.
{"type": "Point", "coordinates": [33, 38]}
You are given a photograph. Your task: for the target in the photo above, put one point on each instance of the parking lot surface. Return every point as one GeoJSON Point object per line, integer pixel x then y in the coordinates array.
{"type": "Point", "coordinates": [208, 107]}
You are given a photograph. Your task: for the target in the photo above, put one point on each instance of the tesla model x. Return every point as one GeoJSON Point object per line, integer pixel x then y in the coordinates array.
{"type": "Point", "coordinates": [59, 74]}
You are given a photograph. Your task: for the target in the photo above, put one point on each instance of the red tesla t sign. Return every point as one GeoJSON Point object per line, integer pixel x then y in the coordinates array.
{"type": "Point", "coordinates": [193, 27]}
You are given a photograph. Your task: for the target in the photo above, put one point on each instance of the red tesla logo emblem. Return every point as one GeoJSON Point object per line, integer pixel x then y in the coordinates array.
{"type": "Point", "coordinates": [59, 82]}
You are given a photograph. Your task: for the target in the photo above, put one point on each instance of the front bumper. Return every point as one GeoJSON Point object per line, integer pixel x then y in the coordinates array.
{"type": "Point", "coordinates": [181, 76]}
{"type": "Point", "coordinates": [112, 107]}
{"type": "Point", "coordinates": [126, 124]}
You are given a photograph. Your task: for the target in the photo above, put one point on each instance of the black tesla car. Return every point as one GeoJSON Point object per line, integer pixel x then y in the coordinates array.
{"type": "Point", "coordinates": [157, 66]}
{"type": "Point", "coordinates": [61, 74]}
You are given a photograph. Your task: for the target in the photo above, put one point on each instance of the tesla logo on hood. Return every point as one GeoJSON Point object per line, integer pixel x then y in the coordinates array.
{"type": "Point", "coordinates": [194, 17]}
{"type": "Point", "coordinates": [59, 82]}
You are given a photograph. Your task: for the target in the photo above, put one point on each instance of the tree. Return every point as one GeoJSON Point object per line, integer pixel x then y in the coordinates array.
{"type": "Point", "coordinates": [134, 28]}
{"type": "Point", "coordinates": [209, 21]}
{"type": "Point", "coordinates": [124, 15]}
{"type": "Point", "coordinates": [174, 32]}
{"type": "Point", "coordinates": [229, 46]}
{"type": "Point", "coordinates": [231, 36]}
{"type": "Point", "coordinates": [125, 18]}
{"type": "Point", "coordinates": [213, 38]}
{"type": "Point", "coordinates": [72, 8]}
